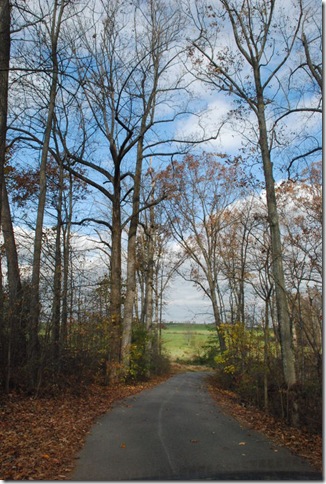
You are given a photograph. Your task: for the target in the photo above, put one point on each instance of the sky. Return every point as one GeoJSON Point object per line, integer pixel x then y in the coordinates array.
{"type": "Point", "coordinates": [185, 303]}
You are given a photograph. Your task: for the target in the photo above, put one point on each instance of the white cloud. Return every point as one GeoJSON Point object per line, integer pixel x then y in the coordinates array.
{"type": "Point", "coordinates": [213, 120]}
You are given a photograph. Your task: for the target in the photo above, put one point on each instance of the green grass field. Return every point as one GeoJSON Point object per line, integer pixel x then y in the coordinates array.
{"type": "Point", "coordinates": [185, 341]}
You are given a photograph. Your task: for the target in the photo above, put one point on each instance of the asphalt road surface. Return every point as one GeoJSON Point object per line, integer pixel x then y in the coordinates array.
{"type": "Point", "coordinates": [176, 431]}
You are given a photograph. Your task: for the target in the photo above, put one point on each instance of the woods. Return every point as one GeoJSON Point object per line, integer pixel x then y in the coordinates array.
{"type": "Point", "coordinates": [143, 143]}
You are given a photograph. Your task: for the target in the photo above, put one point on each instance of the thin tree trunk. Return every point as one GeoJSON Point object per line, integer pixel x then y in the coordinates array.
{"type": "Point", "coordinates": [131, 264]}
{"type": "Point", "coordinates": [56, 304]}
{"type": "Point", "coordinates": [142, 283]}
{"type": "Point", "coordinates": [150, 270]}
{"type": "Point", "coordinates": [266, 344]}
{"type": "Point", "coordinates": [216, 311]}
{"type": "Point", "coordinates": [244, 244]}
{"type": "Point", "coordinates": [34, 349]}
{"type": "Point", "coordinates": [288, 357]}
{"type": "Point", "coordinates": [2, 323]}
{"type": "Point", "coordinates": [4, 82]}
{"type": "Point", "coordinates": [17, 326]}
{"type": "Point", "coordinates": [66, 265]}
{"type": "Point", "coordinates": [16, 340]}
{"type": "Point", "coordinates": [157, 295]}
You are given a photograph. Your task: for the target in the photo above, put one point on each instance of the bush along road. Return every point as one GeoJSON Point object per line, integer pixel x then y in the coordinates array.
{"type": "Point", "coordinates": [176, 431]}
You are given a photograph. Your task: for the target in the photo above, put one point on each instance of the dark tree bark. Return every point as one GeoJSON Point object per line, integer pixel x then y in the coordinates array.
{"type": "Point", "coordinates": [16, 337]}
{"type": "Point", "coordinates": [4, 81]}
{"type": "Point", "coordinates": [131, 264]}
{"type": "Point", "coordinates": [57, 279]}
{"type": "Point", "coordinates": [116, 282]}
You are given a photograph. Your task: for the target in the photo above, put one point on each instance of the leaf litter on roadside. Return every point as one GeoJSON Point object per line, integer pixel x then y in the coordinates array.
{"type": "Point", "coordinates": [40, 437]}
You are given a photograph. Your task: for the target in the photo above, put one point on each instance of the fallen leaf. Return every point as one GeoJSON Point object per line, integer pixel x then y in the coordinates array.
{"type": "Point", "coordinates": [123, 445]}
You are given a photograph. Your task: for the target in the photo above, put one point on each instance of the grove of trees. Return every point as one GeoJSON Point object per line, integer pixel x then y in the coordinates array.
{"type": "Point", "coordinates": [117, 176]}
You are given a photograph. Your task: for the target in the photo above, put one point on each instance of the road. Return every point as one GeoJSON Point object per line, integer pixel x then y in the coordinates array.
{"type": "Point", "coordinates": [176, 431]}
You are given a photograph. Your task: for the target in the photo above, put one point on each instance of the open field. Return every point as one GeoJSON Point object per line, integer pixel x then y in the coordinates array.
{"type": "Point", "coordinates": [185, 341]}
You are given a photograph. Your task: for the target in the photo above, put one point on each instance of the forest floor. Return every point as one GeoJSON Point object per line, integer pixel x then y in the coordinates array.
{"type": "Point", "coordinates": [40, 437]}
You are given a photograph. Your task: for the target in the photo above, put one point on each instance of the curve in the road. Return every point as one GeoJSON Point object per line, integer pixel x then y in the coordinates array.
{"type": "Point", "coordinates": [176, 431]}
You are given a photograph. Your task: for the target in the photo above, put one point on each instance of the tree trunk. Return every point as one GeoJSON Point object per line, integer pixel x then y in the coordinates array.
{"type": "Point", "coordinates": [244, 243]}
{"type": "Point", "coordinates": [288, 357]}
{"type": "Point", "coordinates": [131, 264]}
{"type": "Point", "coordinates": [4, 81]}
{"type": "Point", "coordinates": [16, 339]}
{"type": "Point", "coordinates": [56, 304]}
{"type": "Point", "coordinates": [66, 264]}
{"type": "Point", "coordinates": [213, 290]}
{"type": "Point", "coordinates": [114, 353]}
{"type": "Point", "coordinates": [150, 270]}
{"type": "Point", "coordinates": [217, 319]}
{"type": "Point", "coordinates": [16, 323]}
{"type": "Point", "coordinates": [266, 345]}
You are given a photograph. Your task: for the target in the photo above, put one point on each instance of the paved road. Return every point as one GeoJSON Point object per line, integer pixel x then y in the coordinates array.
{"type": "Point", "coordinates": [176, 431]}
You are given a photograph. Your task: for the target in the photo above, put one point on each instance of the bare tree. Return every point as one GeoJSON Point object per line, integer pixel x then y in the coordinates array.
{"type": "Point", "coordinates": [250, 70]}
{"type": "Point", "coordinates": [303, 106]}
{"type": "Point", "coordinates": [200, 189]}
{"type": "Point", "coordinates": [300, 205]}
{"type": "Point", "coordinates": [311, 43]}
{"type": "Point", "coordinates": [4, 82]}
{"type": "Point", "coordinates": [234, 246]}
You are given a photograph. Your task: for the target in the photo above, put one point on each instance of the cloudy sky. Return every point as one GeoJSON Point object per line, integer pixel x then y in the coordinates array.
{"type": "Point", "coordinates": [185, 303]}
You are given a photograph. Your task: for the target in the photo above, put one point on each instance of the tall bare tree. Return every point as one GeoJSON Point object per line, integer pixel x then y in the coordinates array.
{"type": "Point", "coordinates": [250, 70]}
{"type": "Point", "coordinates": [4, 82]}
